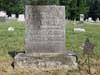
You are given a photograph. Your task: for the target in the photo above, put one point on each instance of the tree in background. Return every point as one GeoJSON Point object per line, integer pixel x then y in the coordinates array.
{"type": "Point", "coordinates": [83, 7]}
{"type": "Point", "coordinates": [94, 10]}
{"type": "Point", "coordinates": [12, 8]}
{"type": "Point", "coordinates": [91, 8]}
{"type": "Point", "coordinates": [73, 10]}
{"type": "Point", "coordinates": [66, 3]}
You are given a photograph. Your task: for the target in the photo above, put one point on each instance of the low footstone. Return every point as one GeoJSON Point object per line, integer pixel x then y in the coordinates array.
{"type": "Point", "coordinates": [45, 40]}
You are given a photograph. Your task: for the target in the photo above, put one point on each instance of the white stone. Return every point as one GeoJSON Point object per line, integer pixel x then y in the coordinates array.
{"type": "Point", "coordinates": [13, 16]}
{"type": "Point", "coordinates": [81, 17]}
{"type": "Point", "coordinates": [21, 17]}
{"type": "Point", "coordinates": [9, 17]}
{"type": "Point", "coordinates": [79, 30]}
{"type": "Point", "coordinates": [90, 19]}
{"type": "Point", "coordinates": [3, 14]}
{"type": "Point", "coordinates": [97, 20]}
{"type": "Point", "coordinates": [11, 29]}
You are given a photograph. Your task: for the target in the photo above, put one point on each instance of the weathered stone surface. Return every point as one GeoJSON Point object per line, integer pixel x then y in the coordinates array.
{"type": "Point", "coordinates": [45, 61]}
{"type": "Point", "coordinates": [45, 40]}
{"type": "Point", "coordinates": [45, 28]}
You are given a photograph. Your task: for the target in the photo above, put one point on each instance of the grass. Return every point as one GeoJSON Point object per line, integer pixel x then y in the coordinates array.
{"type": "Point", "coordinates": [10, 41]}
{"type": "Point", "coordinates": [74, 40]}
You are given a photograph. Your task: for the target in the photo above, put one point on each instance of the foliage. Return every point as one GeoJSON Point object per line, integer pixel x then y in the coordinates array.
{"type": "Point", "coordinates": [42, 2]}
{"type": "Point", "coordinates": [94, 9]}
{"type": "Point", "coordinates": [91, 8]}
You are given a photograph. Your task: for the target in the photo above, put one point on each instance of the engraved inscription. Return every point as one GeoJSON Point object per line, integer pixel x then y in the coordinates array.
{"type": "Point", "coordinates": [45, 28]}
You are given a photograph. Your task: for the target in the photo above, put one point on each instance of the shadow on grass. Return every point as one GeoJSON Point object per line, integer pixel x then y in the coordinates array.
{"type": "Point", "coordinates": [13, 54]}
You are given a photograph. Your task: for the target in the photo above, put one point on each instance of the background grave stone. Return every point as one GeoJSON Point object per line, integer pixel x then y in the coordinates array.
{"type": "Point", "coordinates": [21, 18]}
{"type": "Point", "coordinates": [3, 16]}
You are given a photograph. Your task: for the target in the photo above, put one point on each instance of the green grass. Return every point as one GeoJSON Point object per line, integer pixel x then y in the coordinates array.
{"type": "Point", "coordinates": [74, 40]}
{"type": "Point", "coordinates": [10, 41]}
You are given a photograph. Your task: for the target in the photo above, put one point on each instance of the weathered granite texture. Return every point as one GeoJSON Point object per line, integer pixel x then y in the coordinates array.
{"type": "Point", "coordinates": [45, 40]}
{"type": "Point", "coordinates": [45, 28]}
{"type": "Point", "coordinates": [45, 61]}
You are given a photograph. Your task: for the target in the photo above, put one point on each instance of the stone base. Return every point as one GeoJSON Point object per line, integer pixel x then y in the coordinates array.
{"type": "Point", "coordinates": [45, 61]}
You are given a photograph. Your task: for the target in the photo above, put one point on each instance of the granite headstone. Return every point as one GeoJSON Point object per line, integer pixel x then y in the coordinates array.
{"type": "Point", "coordinates": [45, 40]}
{"type": "Point", "coordinates": [45, 29]}
{"type": "Point", "coordinates": [13, 16]}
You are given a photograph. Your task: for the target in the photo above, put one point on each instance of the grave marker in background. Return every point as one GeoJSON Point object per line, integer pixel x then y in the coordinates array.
{"type": "Point", "coordinates": [90, 20]}
{"type": "Point", "coordinates": [97, 20]}
{"type": "Point", "coordinates": [13, 16]}
{"type": "Point", "coordinates": [3, 16]}
{"type": "Point", "coordinates": [81, 18]}
{"type": "Point", "coordinates": [79, 27]}
{"type": "Point", "coordinates": [21, 18]}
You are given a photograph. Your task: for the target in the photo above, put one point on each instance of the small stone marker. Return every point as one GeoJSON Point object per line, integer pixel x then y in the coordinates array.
{"type": "Point", "coordinates": [13, 16]}
{"type": "Point", "coordinates": [97, 20]}
{"type": "Point", "coordinates": [79, 30]}
{"type": "Point", "coordinates": [21, 18]}
{"type": "Point", "coordinates": [81, 18]}
{"type": "Point", "coordinates": [90, 20]}
{"type": "Point", "coordinates": [79, 26]}
{"type": "Point", "coordinates": [3, 16]}
{"type": "Point", "coordinates": [11, 29]}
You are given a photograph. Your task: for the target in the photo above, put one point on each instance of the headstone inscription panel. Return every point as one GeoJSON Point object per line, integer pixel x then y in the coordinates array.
{"type": "Point", "coordinates": [45, 28]}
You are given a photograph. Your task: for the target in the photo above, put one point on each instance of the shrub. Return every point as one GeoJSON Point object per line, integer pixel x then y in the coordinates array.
{"type": "Point", "coordinates": [42, 2]}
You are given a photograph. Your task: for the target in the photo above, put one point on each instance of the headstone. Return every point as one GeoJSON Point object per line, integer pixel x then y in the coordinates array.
{"type": "Point", "coordinates": [3, 16]}
{"type": "Point", "coordinates": [79, 30]}
{"type": "Point", "coordinates": [79, 26]}
{"type": "Point", "coordinates": [97, 20]}
{"type": "Point", "coordinates": [90, 19]}
{"type": "Point", "coordinates": [45, 31]}
{"type": "Point", "coordinates": [21, 18]}
{"type": "Point", "coordinates": [45, 40]}
{"type": "Point", "coordinates": [13, 16]}
{"type": "Point", "coordinates": [81, 18]}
